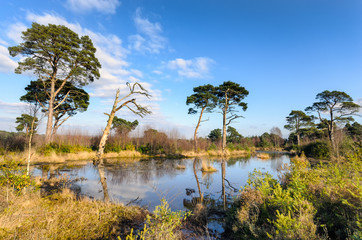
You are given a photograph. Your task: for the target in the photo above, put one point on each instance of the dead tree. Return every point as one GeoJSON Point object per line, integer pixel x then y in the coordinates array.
{"type": "Point", "coordinates": [131, 104]}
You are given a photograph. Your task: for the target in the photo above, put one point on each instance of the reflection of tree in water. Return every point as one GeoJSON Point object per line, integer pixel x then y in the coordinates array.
{"type": "Point", "coordinates": [197, 179]}
{"type": "Point", "coordinates": [103, 181]}
{"type": "Point", "coordinates": [276, 163]}
{"type": "Point", "coordinates": [142, 172]}
{"type": "Point", "coordinates": [242, 161]}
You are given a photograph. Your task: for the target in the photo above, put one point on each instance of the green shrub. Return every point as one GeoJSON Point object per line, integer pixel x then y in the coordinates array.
{"type": "Point", "coordinates": [144, 149]}
{"type": "Point", "coordinates": [112, 148]}
{"type": "Point", "coordinates": [212, 147]}
{"type": "Point", "coordinates": [162, 224]}
{"type": "Point", "coordinates": [46, 150]}
{"type": "Point", "coordinates": [320, 150]}
{"type": "Point", "coordinates": [13, 174]}
{"type": "Point", "coordinates": [231, 146]}
{"type": "Point", "coordinates": [310, 203]}
{"type": "Point", "coordinates": [130, 147]}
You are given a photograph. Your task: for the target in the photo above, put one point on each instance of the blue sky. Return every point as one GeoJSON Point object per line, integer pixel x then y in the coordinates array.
{"type": "Point", "coordinates": [283, 52]}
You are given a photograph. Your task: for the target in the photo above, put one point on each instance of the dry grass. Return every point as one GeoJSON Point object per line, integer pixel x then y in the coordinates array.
{"type": "Point", "coordinates": [263, 156]}
{"type": "Point", "coordinates": [63, 157]}
{"type": "Point", "coordinates": [206, 167]}
{"type": "Point", "coordinates": [180, 166]}
{"type": "Point", "coordinates": [61, 216]}
{"type": "Point", "coordinates": [215, 153]}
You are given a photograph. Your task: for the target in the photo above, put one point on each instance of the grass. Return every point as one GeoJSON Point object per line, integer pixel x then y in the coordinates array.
{"type": "Point", "coordinates": [62, 216]}
{"type": "Point", "coordinates": [206, 167]}
{"type": "Point", "coordinates": [63, 157]}
{"type": "Point", "coordinates": [180, 166]}
{"type": "Point", "coordinates": [263, 156]}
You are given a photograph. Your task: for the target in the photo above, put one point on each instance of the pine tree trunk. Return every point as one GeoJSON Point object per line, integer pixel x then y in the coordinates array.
{"type": "Point", "coordinates": [298, 139]}
{"type": "Point", "coordinates": [48, 133]}
{"type": "Point", "coordinates": [197, 127]}
{"type": "Point", "coordinates": [224, 126]}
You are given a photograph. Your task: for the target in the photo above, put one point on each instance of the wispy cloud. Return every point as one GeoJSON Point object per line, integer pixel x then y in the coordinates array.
{"type": "Point", "coordinates": [359, 102]}
{"type": "Point", "coordinates": [191, 68]}
{"type": "Point", "coordinates": [103, 6]}
{"type": "Point", "coordinates": [12, 107]}
{"type": "Point", "coordinates": [7, 65]}
{"type": "Point", "coordinates": [149, 38]}
{"type": "Point", "coordinates": [15, 30]}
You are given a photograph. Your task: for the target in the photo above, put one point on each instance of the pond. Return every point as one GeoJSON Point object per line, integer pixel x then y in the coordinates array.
{"type": "Point", "coordinates": [145, 182]}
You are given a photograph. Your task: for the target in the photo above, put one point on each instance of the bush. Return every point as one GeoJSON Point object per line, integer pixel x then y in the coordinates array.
{"type": "Point", "coordinates": [212, 147]}
{"type": "Point", "coordinates": [266, 210]}
{"type": "Point", "coordinates": [320, 150]}
{"type": "Point", "coordinates": [46, 150]}
{"type": "Point", "coordinates": [163, 224]}
{"type": "Point", "coordinates": [13, 175]}
{"type": "Point", "coordinates": [310, 203]}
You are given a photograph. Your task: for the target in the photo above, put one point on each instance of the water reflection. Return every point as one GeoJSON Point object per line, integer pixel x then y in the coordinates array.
{"type": "Point", "coordinates": [149, 180]}
{"type": "Point", "coordinates": [103, 181]}
{"type": "Point", "coordinates": [197, 180]}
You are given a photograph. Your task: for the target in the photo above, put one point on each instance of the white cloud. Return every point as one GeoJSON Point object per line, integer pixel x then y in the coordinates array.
{"type": "Point", "coordinates": [110, 53]}
{"type": "Point", "coordinates": [7, 65]}
{"type": "Point", "coordinates": [136, 72]}
{"type": "Point", "coordinates": [359, 102]}
{"type": "Point", "coordinates": [157, 72]}
{"type": "Point", "coordinates": [116, 70]}
{"type": "Point", "coordinates": [149, 38]}
{"type": "Point", "coordinates": [13, 107]}
{"type": "Point", "coordinates": [103, 6]}
{"type": "Point", "coordinates": [15, 31]}
{"type": "Point", "coordinates": [191, 68]}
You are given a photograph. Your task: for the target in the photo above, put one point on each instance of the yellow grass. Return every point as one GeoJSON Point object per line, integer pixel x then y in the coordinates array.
{"type": "Point", "coordinates": [206, 167]}
{"type": "Point", "coordinates": [215, 153]}
{"type": "Point", "coordinates": [63, 157]}
{"type": "Point", "coordinates": [263, 156]}
{"type": "Point", "coordinates": [181, 166]}
{"type": "Point", "coordinates": [61, 216]}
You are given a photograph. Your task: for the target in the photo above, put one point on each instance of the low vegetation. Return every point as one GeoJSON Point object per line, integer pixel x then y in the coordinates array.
{"type": "Point", "coordinates": [323, 202]}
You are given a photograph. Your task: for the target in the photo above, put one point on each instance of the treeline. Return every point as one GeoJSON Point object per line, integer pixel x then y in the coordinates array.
{"type": "Point", "coordinates": [328, 131]}
{"type": "Point", "coordinates": [313, 140]}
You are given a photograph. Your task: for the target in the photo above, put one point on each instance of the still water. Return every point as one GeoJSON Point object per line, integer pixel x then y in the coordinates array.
{"type": "Point", "coordinates": [145, 182]}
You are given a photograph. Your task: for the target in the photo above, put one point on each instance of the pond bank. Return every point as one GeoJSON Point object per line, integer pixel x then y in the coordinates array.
{"type": "Point", "coordinates": [81, 156]}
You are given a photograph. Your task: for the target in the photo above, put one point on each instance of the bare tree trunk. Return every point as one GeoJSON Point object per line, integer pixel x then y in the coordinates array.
{"type": "Point", "coordinates": [198, 183]}
{"type": "Point", "coordinates": [107, 130]}
{"type": "Point", "coordinates": [197, 127]}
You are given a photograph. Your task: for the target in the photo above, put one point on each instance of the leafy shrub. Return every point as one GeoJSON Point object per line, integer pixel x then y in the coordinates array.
{"type": "Point", "coordinates": [320, 150]}
{"type": "Point", "coordinates": [112, 148]}
{"type": "Point", "coordinates": [144, 149]}
{"type": "Point", "coordinates": [46, 150]}
{"type": "Point", "coordinates": [231, 146]}
{"type": "Point", "coordinates": [310, 203]}
{"type": "Point", "coordinates": [212, 147]}
{"type": "Point", "coordinates": [13, 175]}
{"type": "Point", "coordinates": [163, 224]}
{"type": "Point", "coordinates": [130, 147]}
{"type": "Point", "coordinates": [266, 210]}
